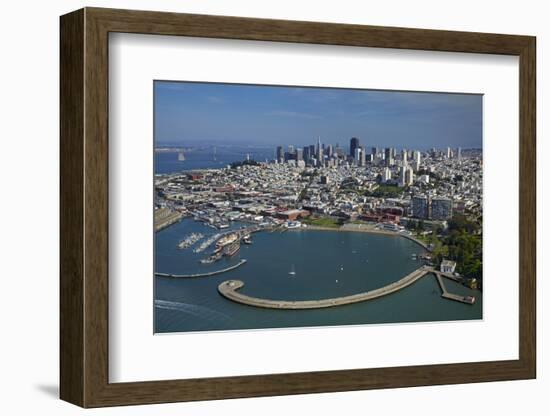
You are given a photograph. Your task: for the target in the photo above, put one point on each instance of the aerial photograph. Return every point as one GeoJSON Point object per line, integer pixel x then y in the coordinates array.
{"type": "Point", "coordinates": [296, 207]}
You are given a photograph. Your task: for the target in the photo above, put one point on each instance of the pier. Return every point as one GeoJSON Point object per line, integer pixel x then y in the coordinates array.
{"type": "Point", "coordinates": [446, 294]}
{"type": "Point", "coordinates": [191, 276]}
{"type": "Point", "coordinates": [229, 289]}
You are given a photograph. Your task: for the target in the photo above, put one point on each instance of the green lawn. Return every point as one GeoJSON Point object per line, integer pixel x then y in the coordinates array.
{"type": "Point", "coordinates": [322, 222]}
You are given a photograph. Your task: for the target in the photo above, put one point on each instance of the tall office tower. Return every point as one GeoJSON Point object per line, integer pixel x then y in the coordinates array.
{"type": "Point", "coordinates": [280, 154]}
{"type": "Point", "coordinates": [307, 155]}
{"type": "Point", "coordinates": [374, 152]}
{"type": "Point", "coordinates": [388, 156]}
{"type": "Point", "coordinates": [357, 155]}
{"type": "Point", "coordinates": [330, 151]}
{"type": "Point", "coordinates": [387, 175]}
{"type": "Point", "coordinates": [353, 144]}
{"type": "Point", "coordinates": [416, 160]}
{"type": "Point", "coordinates": [320, 157]}
{"type": "Point", "coordinates": [420, 206]}
{"type": "Point", "coordinates": [363, 157]}
{"type": "Point", "coordinates": [406, 176]}
{"type": "Point", "coordinates": [459, 153]}
{"type": "Point", "coordinates": [290, 149]}
{"type": "Point", "coordinates": [299, 154]}
{"type": "Point", "coordinates": [409, 176]}
{"type": "Point", "coordinates": [433, 152]}
{"type": "Point", "coordinates": [404, 155]}
{"type": "Point", "coordinates": [449, 153]}
{"type": "Point", "coordinates": [442, 208]}
{"type": "Point", "coordinates": [312, 152]}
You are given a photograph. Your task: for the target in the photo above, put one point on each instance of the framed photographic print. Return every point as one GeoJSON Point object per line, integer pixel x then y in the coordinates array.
{"type": "Point", "coordinates": [256, 207]}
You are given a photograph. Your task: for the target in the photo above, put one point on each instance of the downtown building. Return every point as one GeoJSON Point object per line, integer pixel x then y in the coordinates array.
{"type": "Point", "coordinates": [436, 208]}
{"type": "Point", "coordinates": [441, 208]}
{"type": "Point", "coordinates": [420, 206]}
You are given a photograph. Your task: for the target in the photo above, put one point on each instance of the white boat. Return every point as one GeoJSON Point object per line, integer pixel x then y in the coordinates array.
{"type": "Point", "coordinates": [292, 271]}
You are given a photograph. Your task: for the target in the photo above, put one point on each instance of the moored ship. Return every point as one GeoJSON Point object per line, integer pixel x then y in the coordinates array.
{"type": "Point", "coordinates": [231, 249]}
{"type": "Point", "coordinates": [228, 239]}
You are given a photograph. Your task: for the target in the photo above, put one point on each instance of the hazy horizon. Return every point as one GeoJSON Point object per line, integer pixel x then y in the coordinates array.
{"type": "Point", "coordinates": [194, 114]}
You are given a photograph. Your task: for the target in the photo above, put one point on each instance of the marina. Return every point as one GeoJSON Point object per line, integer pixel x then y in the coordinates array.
{"type": "Point", "coordinates": [190, 240]}
{"type": "Point", "coordinates": [358, 262]}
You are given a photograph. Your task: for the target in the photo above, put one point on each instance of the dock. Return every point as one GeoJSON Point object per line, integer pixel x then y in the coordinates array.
{"type": "Point", "coordinates": [191, 276]}
{"type": "Point", "coordinates": [230, 290]}
{"type": "Point", "coordinates": [451, 296]}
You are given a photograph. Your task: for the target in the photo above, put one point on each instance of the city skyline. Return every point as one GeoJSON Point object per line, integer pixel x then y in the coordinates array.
{"type": "Point", "coordinates": [199, 113]}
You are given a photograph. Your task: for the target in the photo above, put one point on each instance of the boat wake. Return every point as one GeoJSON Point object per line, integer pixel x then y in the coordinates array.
{"type": "Point", "coordinates": [192, 310]}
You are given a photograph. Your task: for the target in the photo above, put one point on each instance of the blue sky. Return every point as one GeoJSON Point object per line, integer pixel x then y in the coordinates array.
{"type": "Point", "coordinates": [200, 113]}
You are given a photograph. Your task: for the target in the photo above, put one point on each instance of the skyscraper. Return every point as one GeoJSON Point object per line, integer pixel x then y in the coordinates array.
{"type": "Point", "coordinates": [353, 144]}
{"type": "Point", "coordinates": [299, 154]}
{"type": "Point", "coordinates": [388, 156]}
{"type": "Point", "coordinates": [416, 160]}
{"type": "Point", "coordinates": [307, 154]}
{"type": "Point", "coordinates": [387, 175]}
{"type": "Point", "coordinates": [374, 153]}
{"type": "Point", "coordinates": [319, 152]}
{"type": "Point", "coordinates": [280, 154]}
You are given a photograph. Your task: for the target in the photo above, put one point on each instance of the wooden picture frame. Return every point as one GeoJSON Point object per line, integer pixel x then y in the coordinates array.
{"type": "Point", "coordinates": [84, 207]}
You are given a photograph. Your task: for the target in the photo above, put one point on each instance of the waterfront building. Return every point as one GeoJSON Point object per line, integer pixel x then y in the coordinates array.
{"type": "Point", "coordinates": [447, 266]}
{"type": "Point", "coordinates": [420, 206]}
{"type": "Point", "coordinates": [442, 208]}
{"type": "Point", "coordinates": [353, 144]}
{"type": "Point", "coordinates": [293, 214]}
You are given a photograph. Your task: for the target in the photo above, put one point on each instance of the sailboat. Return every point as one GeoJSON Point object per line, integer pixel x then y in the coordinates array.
{"type": "Point", "coordinates": [292, 271]}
